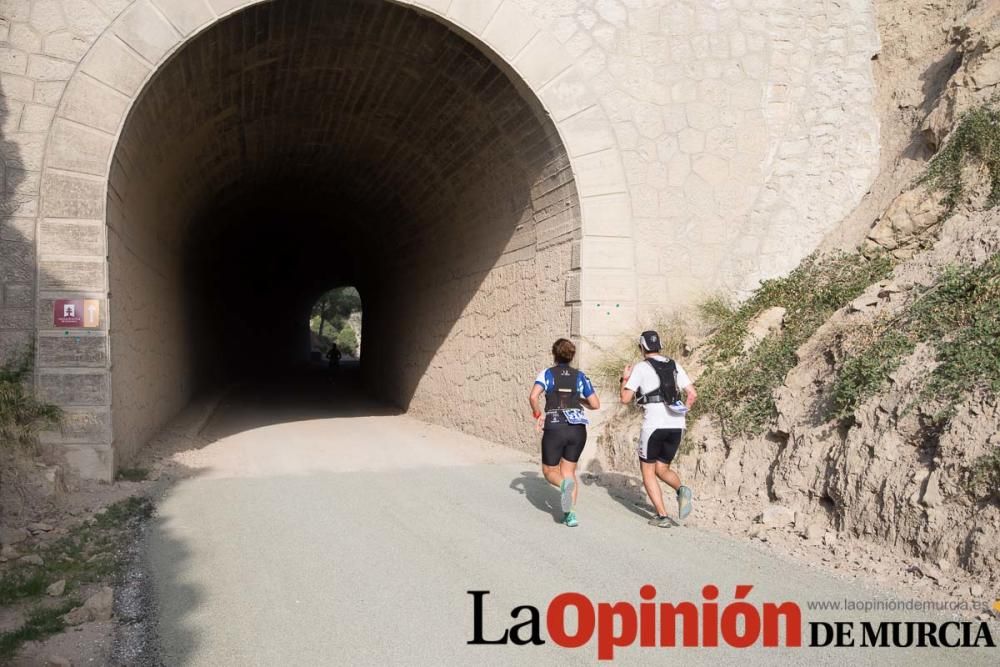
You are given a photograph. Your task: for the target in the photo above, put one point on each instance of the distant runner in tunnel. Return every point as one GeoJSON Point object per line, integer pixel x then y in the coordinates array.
{"type": "Point", "coordinates": [563, 422]}
{"type": "Point", "coordinates": [333, 356]}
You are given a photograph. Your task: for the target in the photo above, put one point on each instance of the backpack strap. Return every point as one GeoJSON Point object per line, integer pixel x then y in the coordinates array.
{"type": "Point", "coordinates": [564, 394]}
{"type": "Point", "coordinates": [666, 392]}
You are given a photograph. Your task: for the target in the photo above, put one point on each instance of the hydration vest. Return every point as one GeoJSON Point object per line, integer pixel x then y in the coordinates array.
{"type": "Point", "coordinates": [667, 391]}
{"type": "Point", "coordinates": [564, 394]}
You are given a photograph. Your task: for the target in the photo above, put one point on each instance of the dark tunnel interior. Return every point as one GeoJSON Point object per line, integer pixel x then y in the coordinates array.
{"type": "Point", "coordinates": [254, 288]}
{"type": "Point", "coordinates": [300, 145]}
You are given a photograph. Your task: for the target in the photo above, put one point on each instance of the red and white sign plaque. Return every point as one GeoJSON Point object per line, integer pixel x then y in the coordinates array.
{"type": "Point", "coordinates": [76, 313]}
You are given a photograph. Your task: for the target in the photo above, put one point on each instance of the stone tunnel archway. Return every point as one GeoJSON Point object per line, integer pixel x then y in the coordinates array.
{"type": "Point", "coordinates": [294, 144]}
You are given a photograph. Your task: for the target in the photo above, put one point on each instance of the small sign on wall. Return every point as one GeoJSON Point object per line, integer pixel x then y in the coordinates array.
{"type": "Point", "coordinates": [76, 313]}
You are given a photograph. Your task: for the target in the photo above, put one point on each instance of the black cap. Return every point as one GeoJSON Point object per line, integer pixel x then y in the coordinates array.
{"type": "Point", "coordinates": [650, 341]}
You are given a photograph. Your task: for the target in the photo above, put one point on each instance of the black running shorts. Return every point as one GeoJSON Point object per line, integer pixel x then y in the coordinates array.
{"type": "Point", "coordinates": [563, 441]}
{"type": "Point", "coordinates": [662, 445]}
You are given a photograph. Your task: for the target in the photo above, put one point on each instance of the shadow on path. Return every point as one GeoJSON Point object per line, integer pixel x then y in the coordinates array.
{"type": "Point", "coordinates": [539, 493]}
{"type": "Point", "coordinates": [620, 487]}
{"type": "Point", "coordinates": [299, 394]}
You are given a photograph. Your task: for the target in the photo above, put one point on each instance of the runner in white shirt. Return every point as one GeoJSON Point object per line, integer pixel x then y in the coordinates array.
{"type": "Point", "coordinates": [657, 383]}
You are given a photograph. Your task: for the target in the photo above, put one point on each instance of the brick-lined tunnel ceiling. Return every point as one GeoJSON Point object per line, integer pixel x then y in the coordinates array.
{"type": "Point", "coordinates": [302, 144]}
{"type": "Point", "coordinates": [368, 102]}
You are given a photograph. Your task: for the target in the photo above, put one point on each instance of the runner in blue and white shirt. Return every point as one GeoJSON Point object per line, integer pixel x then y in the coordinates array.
{"type": "Point", "coordinates": [567, 390]}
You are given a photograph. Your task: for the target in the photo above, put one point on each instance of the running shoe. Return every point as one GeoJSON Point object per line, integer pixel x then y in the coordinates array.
{"type": "Point", "coordinates": [661, 521]}
{"type": "Point", "coordinates": [683, 502]}
{"type": "Point", "coordinates": [566, 495]}
{"type": "Point", "coordinates": [570, 519]}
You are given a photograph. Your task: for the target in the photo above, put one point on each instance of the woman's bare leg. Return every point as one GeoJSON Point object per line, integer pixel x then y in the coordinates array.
{"type": "Point", "coordinates": [568, 471]}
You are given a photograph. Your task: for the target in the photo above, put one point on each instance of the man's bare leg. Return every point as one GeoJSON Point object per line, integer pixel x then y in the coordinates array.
{"type": "Point", "coordinates": [652, 484]}
{"type": "Point", "coordinates": [671, 479]}
{"type": "Point", "coordinates": [668, 476]}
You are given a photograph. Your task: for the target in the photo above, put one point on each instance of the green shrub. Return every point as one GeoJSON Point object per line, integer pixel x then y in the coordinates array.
{"type": "Point", "coordinates": [334, 307]}
{"type": "Point", "coordinates": [347, 340]}
{"type": "Point", "coordinates": [22, 415]}
{"type": "Point", "coordinates": [118, 515]}
{"type": "Point", "coordinates": [89, 553]}
{"type": "Point", "coordinates": [22, 582]}
{"type": "Point", "coordinates": [863, 374]}
{"type": "Point", "coordinates": [40, 623]}
{"type": "Point", "coordinates": [737, 386]}
{"type": "Point", "coordinates": [959, 316]}
{"type": "Point", "coordinates": [741, 394]}
{"type": "Point", "coordinates": [812, 292]}
{"type": "Point", "coordinates": [625, 350]}
{"type": "Point", "coordinates": [976, 137]}
{"type": "Point", "coordinates": [984, 476]}
{"type": "Point", "coordinates": [715, 310]}
{"type": "Point", "coordinates": [69, 557]}
{"type": "Point", "coordinates": [132, 474]}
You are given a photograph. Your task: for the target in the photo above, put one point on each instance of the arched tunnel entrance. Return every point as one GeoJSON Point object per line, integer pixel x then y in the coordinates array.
{"type": "Point", "coordinates": [303, 144]}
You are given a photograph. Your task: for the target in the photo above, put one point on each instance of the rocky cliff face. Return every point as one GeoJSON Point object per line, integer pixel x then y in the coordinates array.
{"type": "Point", "coordinates": [896, 461]}
{"type": "Point", "coordinates": [889, 473]}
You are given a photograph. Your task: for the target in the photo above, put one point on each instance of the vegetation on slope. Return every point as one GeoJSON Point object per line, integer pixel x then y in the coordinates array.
{"type": "Point", "coordinates": [89, 553]}
{"type": "Point", "coordinates": [958, 316]}
{"type": "Point", "coordinates": [738, 387]}
{"type": "Point", "coordinates": [609, 367]}
{"type": "Point", "coordinates": [22, 415]}
{"type": "Point", "coordinates": [976, 139]}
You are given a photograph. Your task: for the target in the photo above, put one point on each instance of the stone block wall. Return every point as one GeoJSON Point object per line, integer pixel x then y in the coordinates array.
{"type": "Point", "coordinates": [711, 144]}
{"type": "Point", "coordinates": [746, 129]}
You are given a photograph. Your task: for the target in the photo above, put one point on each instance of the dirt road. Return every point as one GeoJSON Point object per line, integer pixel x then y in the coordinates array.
{"type": "Point", "coordinates": [326, 531]}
